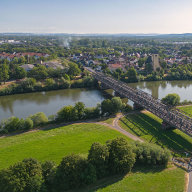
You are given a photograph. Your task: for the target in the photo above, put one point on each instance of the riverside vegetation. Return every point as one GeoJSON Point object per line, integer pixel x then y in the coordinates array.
{"type": "Point", "coordinates": [65, 114]}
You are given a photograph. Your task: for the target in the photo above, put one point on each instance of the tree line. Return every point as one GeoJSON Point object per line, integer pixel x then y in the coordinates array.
{"type": "Point", "coordinates": [66, 114]}
{"type": "Point", "coordinates": [39, 72]}
{"type": "Point", "coordinates": [117, 156]}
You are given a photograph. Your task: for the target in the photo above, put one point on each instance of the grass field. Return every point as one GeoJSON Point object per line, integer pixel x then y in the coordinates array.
{"type": "Point", "coordinates": [148, 127]}
{"type": "Point", "coordinates": [53, 144]}
{"type": "Point", "coordinates": [142, 179]}
{"type": "Point", "coordinates": [187, 109]}
{"type": "Point", "coordinates": [149, 180]}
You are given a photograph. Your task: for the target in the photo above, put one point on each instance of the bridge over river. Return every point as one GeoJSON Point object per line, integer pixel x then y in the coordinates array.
{"type": "Point", "coordinates": [171, 117]}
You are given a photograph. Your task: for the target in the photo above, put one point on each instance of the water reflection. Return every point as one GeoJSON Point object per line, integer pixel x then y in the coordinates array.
{"type": "Point", "coordinates": [160, 89]}
{"type": "Point", "coordinates": [22, 105]}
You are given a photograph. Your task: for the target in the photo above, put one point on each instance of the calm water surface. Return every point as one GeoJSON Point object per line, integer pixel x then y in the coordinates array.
{"type": "Point", "coordinates": [23, 105]}
{"type": "Point", "coordinates": [50, 102]}
{"type": "Point", "coordinates": [160, 89]}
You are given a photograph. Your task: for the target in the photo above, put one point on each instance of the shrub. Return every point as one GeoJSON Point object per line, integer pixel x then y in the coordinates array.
{"type": "Point", "coordinates": [121, 156]}
{"type": "Point", "coordinates": [171, 99]}
{"type": "Point", "coordinates": [151, 154]}
{"type": "Point", "coordinates": [67, 113]}
{"type": "Point", "coordinates": [39, 118]}
{"type": "Point", "coordinates": [64, 83]}
{"type": "Point", "coordinates": [11, 124]}
{"type": "Point", "coordinates": [49, 83]}
{"type": "Point", "coordinates": [28, 124]}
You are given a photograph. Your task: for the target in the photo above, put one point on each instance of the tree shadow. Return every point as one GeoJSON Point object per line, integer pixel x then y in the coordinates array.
{"type": "Point", "coordinates": [100, 184]}
{"type": "Point", "coordinates": [146, 125]}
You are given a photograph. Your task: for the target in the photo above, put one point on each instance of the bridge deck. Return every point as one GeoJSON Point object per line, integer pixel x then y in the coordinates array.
{"type": "Point", "coordinates": [155, 106]}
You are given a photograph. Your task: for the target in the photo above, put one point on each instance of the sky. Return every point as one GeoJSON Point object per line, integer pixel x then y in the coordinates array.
{"type": "Point", "coordinates": [96, 16]}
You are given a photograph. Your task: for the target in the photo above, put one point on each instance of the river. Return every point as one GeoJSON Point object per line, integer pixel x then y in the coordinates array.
{"type": "Point", "coordinates": [23, 105]}
{"type": "Point", "coordinates": [160, 89]}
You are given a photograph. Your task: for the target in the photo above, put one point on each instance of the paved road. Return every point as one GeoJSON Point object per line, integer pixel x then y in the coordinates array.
{"type": "Point", "coordinates": [190, 183]}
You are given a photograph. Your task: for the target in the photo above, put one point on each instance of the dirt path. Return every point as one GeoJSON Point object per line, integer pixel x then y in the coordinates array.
{"type": "Point", "coordinates": [119, 129]}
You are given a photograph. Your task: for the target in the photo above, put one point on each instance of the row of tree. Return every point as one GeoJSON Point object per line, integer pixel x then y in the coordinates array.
{"type": "Point", "coordinates": [117, 156]}
{"type": "Point", "coordinates": [65, 114]}
{"type": "Point", "coordinates": [31, 85]}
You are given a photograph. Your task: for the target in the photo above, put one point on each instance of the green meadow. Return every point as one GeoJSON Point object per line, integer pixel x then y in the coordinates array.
{"type": "Point", "coordinates": [148, 127]}
{"type": "Point", "coordinates": [53, 144]}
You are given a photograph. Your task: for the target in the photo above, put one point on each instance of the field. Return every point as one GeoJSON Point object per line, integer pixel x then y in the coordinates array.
{"type": "Point", "coordinates": [150, 180]}
{"type": "Point", "coordinates": [53, 144]}
{"type": "Point", "coordinates": [142, 179]}
{"type": "Point", "coordinates": [148, 127]}
{"type": "Point", "coordinates": [187, 109]}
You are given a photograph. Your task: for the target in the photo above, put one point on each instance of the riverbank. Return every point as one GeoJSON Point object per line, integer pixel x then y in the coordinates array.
{"type": "Point", "coordinates": [30, 85]}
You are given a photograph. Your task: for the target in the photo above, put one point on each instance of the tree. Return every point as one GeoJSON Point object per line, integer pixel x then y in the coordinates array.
{"type": "Point", "coordinates": [151, 154]}
{"type": "Point", "coordinates": [141, 62]}
{"type": "Point", "coordinates": [80, 107]}
{"type": "Point", "coordinates": [39, 72]}
{"type": "Point", "coordinates": [19, 73]}
{"type": "Point", "coordinates": [4, 72]}
{"type": "Point", "coordinates": [39, 118]}
{"type": "Point", "coordinates": [67, 113]}
{"type": "Point", "coordinates": [73, 172]}
{"type": "Point", "coordinates": [116, 104]}
{"type": "Point", "coordinates": [121, 156]}
{"type": "Point", "coordinates": [49, 82]}
{"type": "Point", "coordinates": [98, 156]}
{"type": "Point", "coordinates": [73, 69]}
{"type": "Point", "coordinates": [106, 106]}
{"type": "Point", "coordinates": [148, 65]}
{"type": "Point", "coordinates": [48, 171]}
{"type": "Point", "coordinates": [22, 60]}
{"type": "Point", "coordinates": [132, 75]}
{"type": "Point", "coordinates": [171, 99]}
{"type": "Point", "coordinates": [25, 176]}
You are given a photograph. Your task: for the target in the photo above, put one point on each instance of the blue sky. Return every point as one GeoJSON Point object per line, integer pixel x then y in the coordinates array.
{"type": "Point", "coordinates": [96, 16]}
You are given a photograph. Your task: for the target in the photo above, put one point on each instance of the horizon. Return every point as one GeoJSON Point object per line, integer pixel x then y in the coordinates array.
{"type": "Point", "coordinates": [101, 17]}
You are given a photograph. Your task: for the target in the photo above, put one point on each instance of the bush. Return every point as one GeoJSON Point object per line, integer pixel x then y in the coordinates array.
{"type": "Point", "coordinates": [67, 113]}
{"type": "Point", "coordinates": [25, 176]}
{"type": "Point", "coordinates": [11, 124]}
{"type": "Point", "coordinates": [39, 119]}
{"type": "Point", "coordinates": [28, 124]}
{"type": "Point", "coordinates": [121, 156]}
{"type": "Point", "coordinates": [49, 83]}
{"type": "Point", "coordinates": [171, 99]}
{"type": "Point", "coordinates": [151, 154]}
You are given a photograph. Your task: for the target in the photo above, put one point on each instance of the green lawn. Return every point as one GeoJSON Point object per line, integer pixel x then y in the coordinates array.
{"type": "Point", "coordinates": [149, 180]}
{"type": "Point", "coordinates": [53, 144]}
{"type": "Point", "coordinates": [148, 127]}
{"type": "Point", "coordinates": [187, 109]}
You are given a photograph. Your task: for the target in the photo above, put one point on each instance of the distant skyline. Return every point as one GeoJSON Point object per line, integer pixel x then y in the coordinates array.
{"type": "Point", "coordinates": [100, 16]}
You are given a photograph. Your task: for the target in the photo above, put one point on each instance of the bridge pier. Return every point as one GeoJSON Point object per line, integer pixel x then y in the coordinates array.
{"type": "Point", "coordinates": [137, 107]}
{"type": "Point", "coordinates": [166, 126]}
